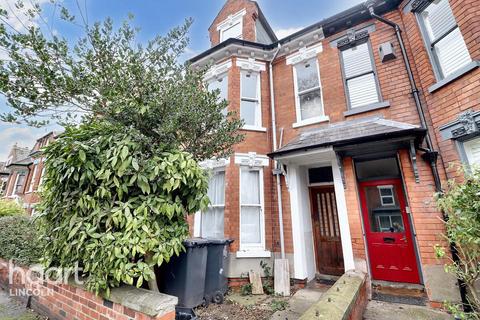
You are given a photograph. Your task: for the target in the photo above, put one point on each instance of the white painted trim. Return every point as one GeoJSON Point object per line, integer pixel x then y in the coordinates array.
{"type": "Point", "coordinates": [231, 20]}
{"type": "Point", "coordinates": [311, 121]}
{"type": "Point", "coordinates": [304, 54]}
{"type": "Point", "coordinates": [253, 254]}
{"type": "Point", "coordinates": [217, 70]}
{"type": "Point", "coordinates": [254, 128]}
{"type": "Point", "coordinates": [259, 247]}
{"type": "Point", "coordinates": [197, 223]}
{"type": "Point", "coordinates": [33, 180]}
{"type": "Point", "coordinates": [321, 118]}
{"type": "Point", "coordinates": [252, 159]}
{"type": "Point", "coordinates": [211, 164]}
{"type": "Point", "coordinates": [344, 225]}
{"type": "Point", "coordinates": [250, 64]}
{"type": "Point", "coordinates": [258, 110]}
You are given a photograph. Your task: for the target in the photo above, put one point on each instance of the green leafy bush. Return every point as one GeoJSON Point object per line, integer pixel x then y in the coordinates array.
{"type": "Point", "coordinates": [116, 204]}
{"type": "Point", "coordinates": [10, 208]}
{"type": "Point", "coordinates": [461, 202]}
{"type": "Point", "coordinates": [19, 240]}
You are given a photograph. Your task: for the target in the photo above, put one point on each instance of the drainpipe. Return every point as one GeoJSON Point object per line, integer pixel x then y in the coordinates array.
{"type": "Point", "coordinates": [430, 154]}
{"type": "Point", "coordinates": [277, 172]}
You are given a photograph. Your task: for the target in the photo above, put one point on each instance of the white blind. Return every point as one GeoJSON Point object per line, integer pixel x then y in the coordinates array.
{"type": "Point", "coordinates": [213, 218]}
{"type": "Point", "coordinates": [234, 31]}
{"type": "Point", "coordinates": [472, 149]}
{"type": "Point", "coordinates": [356, 60]}
{"type": "Point", "coordinates": [448, 44]}
{"type": "Point", "coordinates": [360, 78]}
{"type": "Point", "coordinates": [250, 220]}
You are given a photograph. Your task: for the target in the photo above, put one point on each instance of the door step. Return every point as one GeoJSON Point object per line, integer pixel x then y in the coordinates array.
{"type": "Point", "coordinates": [326, 278]}
{"type": "Point", "coordinates": [397, 292]}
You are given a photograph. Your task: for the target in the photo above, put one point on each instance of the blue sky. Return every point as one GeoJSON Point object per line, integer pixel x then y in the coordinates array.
{"type": "Point", "coordinates": [158, 16]}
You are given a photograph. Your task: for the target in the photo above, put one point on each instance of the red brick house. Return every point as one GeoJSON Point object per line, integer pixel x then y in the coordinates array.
{"type": "Point", "coordinates": [25, 173]}
{"type": "Point", "coordinates": [358, 118]}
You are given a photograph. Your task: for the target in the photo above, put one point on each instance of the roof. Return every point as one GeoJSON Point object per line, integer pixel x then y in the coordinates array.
{"type": "Point", "coordinates": [349, 132]}
{"type": "Point", "coordinates": [334, 24]}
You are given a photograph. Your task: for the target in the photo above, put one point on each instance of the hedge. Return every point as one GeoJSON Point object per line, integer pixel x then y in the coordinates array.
{"type": "Point", "coordinates": [10, 208]}
{"type": "Point", "coordinates": [19, 240]}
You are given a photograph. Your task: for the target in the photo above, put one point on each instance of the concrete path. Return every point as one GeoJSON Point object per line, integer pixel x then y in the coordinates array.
{"type": "Point", "coordinates": [301, 301]}
{"type": "Point", "coordinates": [12, 310]}
{"type": "Point", "coordinates": [379, 310]}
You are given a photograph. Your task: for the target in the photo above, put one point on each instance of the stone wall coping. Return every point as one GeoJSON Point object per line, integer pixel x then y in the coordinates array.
{"type": "Point", "coordinates": [338, 301]}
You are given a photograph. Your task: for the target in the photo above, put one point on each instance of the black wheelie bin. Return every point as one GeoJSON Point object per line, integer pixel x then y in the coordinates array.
{"type": "Point", "coordinates": [184, 275]}
{"type": "Point", "coordinates": [216, 282]}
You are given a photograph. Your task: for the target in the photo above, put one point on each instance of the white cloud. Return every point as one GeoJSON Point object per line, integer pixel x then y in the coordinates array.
{"type": "Point", "coordinates": [282, 33]}
{"type": "Point", "coordinates": [22, 135]}
{"type": "Point", "coordinates": [18, 17]}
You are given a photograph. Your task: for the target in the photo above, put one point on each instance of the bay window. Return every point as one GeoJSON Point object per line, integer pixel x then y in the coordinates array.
{"type": "Point", "coordinates": [361, 84]}
{"type": "Point", "coordinates": [212, 220]}
{"type": "Point", "coordinates": [220, 83]}
{"type": "Point", "coordinates": [250, 110]}
{"type": "Point", "coordinates": [444, 41]}
{"type": "Point", "coordinates": [308, 91]}
{"type": "Point", "coordinates": [251, 209]}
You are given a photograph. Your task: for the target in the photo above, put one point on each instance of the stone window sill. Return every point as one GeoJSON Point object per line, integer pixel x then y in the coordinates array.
{"type": "Point", "coordinates": [454, 76]}
{"type": "Point", "coordinates": [310, 121]}
{"type": "Point", "coordinates": [254, 128]}
{"type": "Point", "coordinates": [254, 254]}
{"type": "Point", "coordinates": [368, 107]}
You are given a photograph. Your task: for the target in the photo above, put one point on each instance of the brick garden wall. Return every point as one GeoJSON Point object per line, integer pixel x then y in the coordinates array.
{"type": "Point", "coordinates": [62, 301]}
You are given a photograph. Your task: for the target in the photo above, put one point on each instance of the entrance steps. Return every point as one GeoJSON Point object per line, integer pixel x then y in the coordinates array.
{"type": "Point", "coordinates": [397, 292]}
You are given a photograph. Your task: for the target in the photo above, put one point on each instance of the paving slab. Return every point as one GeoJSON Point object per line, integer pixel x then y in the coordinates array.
{"type": "Point", "coordinates": [301, 301]}
{"type": "Point", "coordinates": [379, 310]}
{"type": "Point", "coordinates": [13, 310]}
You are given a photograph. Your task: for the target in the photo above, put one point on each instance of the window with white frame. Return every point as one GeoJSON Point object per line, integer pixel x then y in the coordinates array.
{"type": "Point", "coordinates": [250, 110]}
{"type": "Point", "coordinates": [33, 179]}
{"type": "Point", "coordinates": [359, 75]}
{"type": "Point", "coordinates": [251, 209]}
{"type": "Point", "coordinates": [308, 90]}
{"type": "Point", "coordinates": [443, 38]}
{"type": "Point", "coordinates": [472, 151]}
{"type": "Point", "coordinates": [213, 216]}
{"type": "Point", "coordinates": [387, 197]}
{"type": "Point", "coordinates": [19, 182]}
{"type": "Point", "coordinates": [220, 83]}
{"type": "Point", "coordinates": [234, 31]}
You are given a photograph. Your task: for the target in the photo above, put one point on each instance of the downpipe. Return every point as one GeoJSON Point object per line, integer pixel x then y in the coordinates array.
{"type": "Point", "coordinates": [430, 154]}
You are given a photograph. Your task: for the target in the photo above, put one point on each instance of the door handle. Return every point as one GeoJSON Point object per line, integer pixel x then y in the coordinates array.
{"type": "Point", "coordinates": [404, 239]}
{"type": "Point", "coordinates": [389, 240]}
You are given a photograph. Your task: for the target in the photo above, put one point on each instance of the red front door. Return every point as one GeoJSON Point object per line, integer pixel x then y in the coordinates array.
{"type": "Point", "coordinates": [389, 238]}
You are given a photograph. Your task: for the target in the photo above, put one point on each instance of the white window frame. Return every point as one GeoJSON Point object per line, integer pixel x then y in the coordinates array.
{"type": "Point", "coordinates": [33, 180]}
{"type": "Point", "coordinates": [254, 249]}
{"type": "Point", "coordinates": [430, 46]}
{"type": "Point", "coordinates": [230, 22]}
{"type": "Point", "coordinates": [19, 173]}
{"type": "Point", "coordinates": [321, 118]}
{"type": "Point", "coordinates": [387, 187]}
{"type": "Point", "coordinates": [223, 76]}
{"type": "Point", "coordinates": [468, 150]}
{"type": "Point", "coordinates": [258, 111]}
{"type": "Point", "coordinates": [213, 171]}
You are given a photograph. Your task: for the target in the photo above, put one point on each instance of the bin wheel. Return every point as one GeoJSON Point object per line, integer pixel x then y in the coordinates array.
{"type": "Point", "coordinates": [206, 301]}
{"type": "Point", "coordinates": [218, 298]}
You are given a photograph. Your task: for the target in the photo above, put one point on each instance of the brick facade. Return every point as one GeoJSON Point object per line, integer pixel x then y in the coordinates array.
{"type": "Point", "coordinates": [441, 107]}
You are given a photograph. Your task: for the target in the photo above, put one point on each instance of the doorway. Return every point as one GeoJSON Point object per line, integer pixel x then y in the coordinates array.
{"type": "Point", "coordinates": [391, 249]}
{"type": "Point", "coordinates": [326, 231]}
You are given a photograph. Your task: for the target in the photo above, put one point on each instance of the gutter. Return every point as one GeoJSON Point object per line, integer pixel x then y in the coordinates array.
{"type": "Point", "coordinates": [430, 155]}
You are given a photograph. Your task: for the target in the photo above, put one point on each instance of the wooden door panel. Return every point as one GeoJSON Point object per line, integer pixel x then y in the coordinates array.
{"type": "Point", "coordinates": [328, 246]}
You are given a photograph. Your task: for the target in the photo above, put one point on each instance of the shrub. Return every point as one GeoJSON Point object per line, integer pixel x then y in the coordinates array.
{"type": "Point", "coordinates": [461, 203]}
{"type": "Point", "coordinates": [116, 204]}
{"type": "Point", "coordinates": [10, 208]}
{"type": "Point", "coordinates": [19, 240]}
